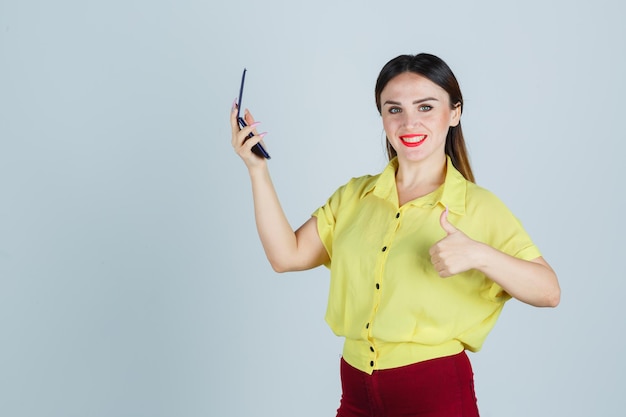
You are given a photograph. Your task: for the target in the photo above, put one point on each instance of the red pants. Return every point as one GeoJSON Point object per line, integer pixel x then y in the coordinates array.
{"type": "Point", "coordinates": [442, 387]}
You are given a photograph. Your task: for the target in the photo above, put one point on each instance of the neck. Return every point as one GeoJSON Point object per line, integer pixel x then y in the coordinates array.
{"type": "Point", "coordinates": [414, 180]}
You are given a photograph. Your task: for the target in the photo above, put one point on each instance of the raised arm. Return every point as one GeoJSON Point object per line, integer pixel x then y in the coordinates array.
{"type": "Point", "coordinates": [285, 249]}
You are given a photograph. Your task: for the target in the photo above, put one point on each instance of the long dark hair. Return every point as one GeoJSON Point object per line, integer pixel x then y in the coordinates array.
{"type": "Point", "coordinates": [437, 71]}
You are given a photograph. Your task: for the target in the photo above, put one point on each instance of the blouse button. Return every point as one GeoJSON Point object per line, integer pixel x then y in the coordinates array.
{"type": "Point", "coordinates": [397, 215]}
{"type": "Point", "coordinates": [377, 286]}
{"type": "Point", "coordinates": [384, 248]}
{"type": "Point", "coordinates": [372, 363]}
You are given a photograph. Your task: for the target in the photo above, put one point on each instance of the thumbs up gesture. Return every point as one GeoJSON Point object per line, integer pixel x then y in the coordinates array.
{"type": "Point", "coordinates": [456, 252]}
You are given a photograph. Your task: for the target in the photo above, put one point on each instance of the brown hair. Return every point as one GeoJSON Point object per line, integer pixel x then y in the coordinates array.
{"type": "Point", "coordinates": [437, 71]}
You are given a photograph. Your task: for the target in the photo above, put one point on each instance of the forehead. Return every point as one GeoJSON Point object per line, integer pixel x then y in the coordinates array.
{"type": "Point", "coordinates": [411, 86]}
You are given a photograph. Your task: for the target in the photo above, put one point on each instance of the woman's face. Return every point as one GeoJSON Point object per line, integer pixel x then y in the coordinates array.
{"type": "Point", "coordinates": [417, 116]}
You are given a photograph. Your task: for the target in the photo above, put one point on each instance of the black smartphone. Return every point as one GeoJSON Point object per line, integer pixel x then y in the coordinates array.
{"type": "Point", "coordinates": [258, 148]}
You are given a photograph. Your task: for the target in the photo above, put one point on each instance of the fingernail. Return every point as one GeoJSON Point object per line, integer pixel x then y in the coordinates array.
{"type": "Point", "coordinates": [255, 124]}
{"type": "Point", "coordinates": [234, 104]}
{"type": "Point", "coordinates": [261, 135]}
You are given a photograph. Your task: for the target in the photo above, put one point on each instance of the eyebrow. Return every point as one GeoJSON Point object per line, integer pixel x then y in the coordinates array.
{"type": "Point", "coordinates": [397, 103]}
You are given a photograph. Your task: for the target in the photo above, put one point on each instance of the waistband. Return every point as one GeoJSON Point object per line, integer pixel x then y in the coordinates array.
{"type": "Point", "coordinates": [369, 356]}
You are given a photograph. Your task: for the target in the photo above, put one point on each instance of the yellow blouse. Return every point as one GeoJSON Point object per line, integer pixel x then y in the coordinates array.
{"type": "Point", "coordinates": [385, 297]}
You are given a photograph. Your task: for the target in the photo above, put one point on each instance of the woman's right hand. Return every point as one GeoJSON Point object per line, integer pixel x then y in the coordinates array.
{"type": "Point", "coordinates": [243, 147]}
{"type": "Point", "coordinates": [285, 249]}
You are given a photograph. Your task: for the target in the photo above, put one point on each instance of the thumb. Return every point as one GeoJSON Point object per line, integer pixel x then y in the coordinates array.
{"type": "Point", "coordinates": [445, 225]}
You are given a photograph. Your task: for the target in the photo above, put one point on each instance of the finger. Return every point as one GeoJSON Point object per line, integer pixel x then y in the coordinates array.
{"type": "Point", "coordinates": [255, 139]}
{"type": "Point", "coordinates": [441, 270]}
{"type": "Point", "coordinates": [233, 117]}
{"type": "Point", "coordinates": [248, 117]}
{"type": "Point", "coordinates": [250, 122]}
{"type": "Point", "coordinates": [246, 148]}
{"type": "Point", "coordinates": [445, 224]}
{"type": "Point", "coordinates": [245, 134]}
{"type": "Point", "coordinates": [234, 123]}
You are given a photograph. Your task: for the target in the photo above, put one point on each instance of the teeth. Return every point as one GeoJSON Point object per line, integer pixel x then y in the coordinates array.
{"type": "Point", "coordinates": [412, 139]}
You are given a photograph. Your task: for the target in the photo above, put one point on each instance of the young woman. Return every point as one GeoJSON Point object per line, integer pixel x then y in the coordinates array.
{"type": "Point", "coordinates": [422, 260]}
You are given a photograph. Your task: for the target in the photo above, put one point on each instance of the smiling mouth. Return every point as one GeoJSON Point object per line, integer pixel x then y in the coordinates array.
{"type": "Point", "coordinates": [413, 140]}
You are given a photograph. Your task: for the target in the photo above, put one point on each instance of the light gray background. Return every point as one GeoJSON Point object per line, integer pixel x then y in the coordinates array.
{"type": "Point", "coordinates": [132, 282]}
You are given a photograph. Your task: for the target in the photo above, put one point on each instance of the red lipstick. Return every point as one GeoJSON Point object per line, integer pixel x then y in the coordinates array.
{"type": "Point", "coordinates": [414, 139]}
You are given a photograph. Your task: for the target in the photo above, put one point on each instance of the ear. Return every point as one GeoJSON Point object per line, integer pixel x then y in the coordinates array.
{"type": "Point", "coordinates": [455, 115]}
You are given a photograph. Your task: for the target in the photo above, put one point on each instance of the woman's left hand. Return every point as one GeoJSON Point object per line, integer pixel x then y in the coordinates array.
{"type": "Point", "coordinates": [530, 281]}
{"type": "Point", "coordinates": [455, 253]}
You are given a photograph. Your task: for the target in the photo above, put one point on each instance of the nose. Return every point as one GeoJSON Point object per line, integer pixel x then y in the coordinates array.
{"type": "Point", "coordinates": [410, 119]}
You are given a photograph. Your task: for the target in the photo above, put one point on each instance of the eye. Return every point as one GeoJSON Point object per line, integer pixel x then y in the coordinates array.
{"type": "Point", "coordinates": [425, 107]}
{"type": "Point", "coordinates": [394, 110]}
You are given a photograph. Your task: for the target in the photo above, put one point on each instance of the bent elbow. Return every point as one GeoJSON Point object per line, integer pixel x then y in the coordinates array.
{"type": "Point", "coordinates": [551, 298]}
{"type": "Point", "coordinates": [555, 298]}
{"type": "Point", "coordinates": [288, 265]}
{"type": "Point", "coordinates": [280, 265]}
{"type": "Point", "coordinates": [280, 268]}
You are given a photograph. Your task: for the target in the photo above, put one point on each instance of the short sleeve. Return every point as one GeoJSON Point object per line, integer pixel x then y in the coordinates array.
{"type": "Point", "coordinates": [501, 229]}
{"type": "Point", "coordinates": [339, 206]}
{"type": "Point", "coordinates": [325, 227]}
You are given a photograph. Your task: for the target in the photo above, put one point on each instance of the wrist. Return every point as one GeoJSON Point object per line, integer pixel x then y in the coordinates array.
{"type": "Point", "coordinates": [482, 254]}
{"type": "Point", "coordinates": [258, 170]}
